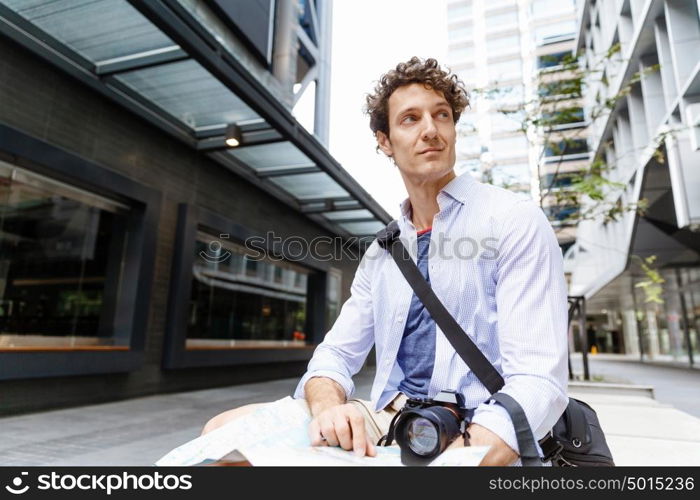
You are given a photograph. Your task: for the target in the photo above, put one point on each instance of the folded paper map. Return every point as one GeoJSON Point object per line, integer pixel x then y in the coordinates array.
{"type": "Point", "coordinates": [276, 434]}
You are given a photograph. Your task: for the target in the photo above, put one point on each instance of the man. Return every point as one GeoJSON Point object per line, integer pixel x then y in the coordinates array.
{"type": "Point", "coordinates": [490, 256]}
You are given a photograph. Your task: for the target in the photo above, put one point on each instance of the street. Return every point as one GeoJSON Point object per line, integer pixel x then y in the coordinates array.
{"type": "Point", "coordinates": [676, 386]}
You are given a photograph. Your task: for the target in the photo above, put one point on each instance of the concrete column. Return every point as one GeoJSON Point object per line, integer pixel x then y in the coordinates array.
{"type": "Point", "coordinates": [653, 329]}
{"type": "Point", "coordinates": [323, 85]}
{"type": "Point", "coordinates": [635, 107]}
{"type": "Point", "coordinates": [673, 313]}
{"type": "Point", "coordinates": [684, 35]}
{"type": "Point", "coordinates": [663, 48]}
{"type": "Point", "coordinates": [653, 95]}
{"type": "Point", "coordinates": [685, 177]}
{"type": "Point", "coordinates": [626, 28]}
{"type": "Point", "coordinates": [630, 332]}
{"type": "Point", "coordinates": [637, 8]}
{"type": "Point", "coordinates": [284, 55]}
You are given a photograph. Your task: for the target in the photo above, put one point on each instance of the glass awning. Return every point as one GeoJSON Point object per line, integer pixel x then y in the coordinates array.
{"type": "Point", "coordinates": [123, 53]}
{"type": "Point", "coordinates": [269, 156]}
{"type": "Point", "coordinates": [188, 92]}
{"type": "Point", "coordinates": [98, 30]}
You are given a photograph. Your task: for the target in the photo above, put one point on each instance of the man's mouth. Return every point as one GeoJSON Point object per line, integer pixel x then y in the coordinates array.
{"type": "Point", "coordinates": [430, 150]}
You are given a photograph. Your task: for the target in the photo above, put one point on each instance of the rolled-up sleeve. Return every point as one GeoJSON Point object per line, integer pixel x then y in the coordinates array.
{"type": "Point", "coordinates": [345, 347]}
{"type": "Point", "coordinates": [531, 301]}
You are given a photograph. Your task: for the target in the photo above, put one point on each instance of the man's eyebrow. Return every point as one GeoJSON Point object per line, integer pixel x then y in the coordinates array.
{"type": "Point", "coordinates": [407, 110]}
{"type": "Point", "coordinates": [444, 104]}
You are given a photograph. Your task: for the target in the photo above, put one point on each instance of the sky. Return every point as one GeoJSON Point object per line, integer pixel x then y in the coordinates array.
{"type": "Point", "coordinates": [369, 38]}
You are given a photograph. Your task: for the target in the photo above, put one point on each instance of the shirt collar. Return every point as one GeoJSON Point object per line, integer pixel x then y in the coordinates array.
{"type": "Point", "coordinates": [457, 189]}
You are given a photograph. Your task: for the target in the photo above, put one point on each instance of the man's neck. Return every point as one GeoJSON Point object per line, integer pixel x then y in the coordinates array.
{"type": "Point", "coordinates": [423, 198]}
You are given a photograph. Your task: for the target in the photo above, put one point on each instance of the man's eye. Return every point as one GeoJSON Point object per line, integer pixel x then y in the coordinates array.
{"type": "Point", "coordinates": [408, 118]}
{"type": "Point", "coordinates": [444, 114]}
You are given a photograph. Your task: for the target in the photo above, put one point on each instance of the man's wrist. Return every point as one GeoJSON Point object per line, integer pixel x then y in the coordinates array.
{"type": "Point", "coordinates": [323, 393]}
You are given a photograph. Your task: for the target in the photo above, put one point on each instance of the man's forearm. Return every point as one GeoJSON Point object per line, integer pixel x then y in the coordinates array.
{"type": "Point", "coordinates": [322, 393]}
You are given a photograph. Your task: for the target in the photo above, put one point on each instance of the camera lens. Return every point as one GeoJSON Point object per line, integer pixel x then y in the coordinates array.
{"type": "Point", "coordinates": [423, 436]}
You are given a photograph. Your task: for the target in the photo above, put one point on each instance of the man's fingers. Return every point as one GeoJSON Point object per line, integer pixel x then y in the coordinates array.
{"type": "Point", "coordinates": [343, 431]}
{"type": "Point", "coordinates": [315, 434]}
{"type": "Point", "coordinates": [359, 438]}
{"type": "Point", "coordinates": [328, 432]}
{"type": "Point", "coordinates": [371, 449]}
{"type": "Point", "coordinates": [344, 427]}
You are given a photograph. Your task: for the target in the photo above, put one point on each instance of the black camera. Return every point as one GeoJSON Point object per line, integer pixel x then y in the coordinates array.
{"type": "Point", "coordinates": [425, 427]}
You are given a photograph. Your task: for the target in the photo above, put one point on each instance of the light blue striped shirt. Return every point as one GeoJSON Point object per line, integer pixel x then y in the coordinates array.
{"type": "Point", "coordinates": [496, 266]}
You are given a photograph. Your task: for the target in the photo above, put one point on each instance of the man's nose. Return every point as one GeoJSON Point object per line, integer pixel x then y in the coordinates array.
{"type": "Point", "coordinates": [429, 130]}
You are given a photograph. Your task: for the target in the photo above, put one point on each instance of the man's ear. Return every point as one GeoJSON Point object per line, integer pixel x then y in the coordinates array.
{"type": "Point", "coordinates": [384, 144]}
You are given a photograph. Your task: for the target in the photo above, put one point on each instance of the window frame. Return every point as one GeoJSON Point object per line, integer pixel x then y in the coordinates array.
{"type": "Point", "coordinates": [35, 155]}
{"type": "Point", "coordinates": [191, 219]}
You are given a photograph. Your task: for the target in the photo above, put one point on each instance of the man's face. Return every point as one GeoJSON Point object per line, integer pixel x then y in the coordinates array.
{"type": "Point", "coordinates": [421, 132]}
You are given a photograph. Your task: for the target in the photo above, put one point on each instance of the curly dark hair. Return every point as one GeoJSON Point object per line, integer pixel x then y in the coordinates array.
{"type": "Point", "coordinates": [415, 70]}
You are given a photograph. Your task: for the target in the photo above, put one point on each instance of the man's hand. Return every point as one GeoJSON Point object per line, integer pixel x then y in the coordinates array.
{"type": "Point", "coordinates": [335, 422]}
{"type": "Point", "coordinates": [500, 453]}
{"type": "Point", "coordinates": [341, 425]}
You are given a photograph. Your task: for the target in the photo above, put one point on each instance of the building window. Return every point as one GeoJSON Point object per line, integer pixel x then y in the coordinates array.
{"type": "Point", "coordinates": [455, 33]}
{"type": "Point", "coordinates": [545, 8]}
{"type": "Point", "coordinates": [459, 9]}
{"type": "Point", "coordinates": [497, 4]}
{"type": "Point", "coordinates": [560, 88]}
{"type": "Point", "coordinates": [501, 44]}
{"type": "Point", "coordinates": [505, 70]}
{"type": "Point", "coordinates": [562, 214]}
{"type": "Point", "coordinates": [460, 53]}
{"type": "Point", "coordinates": [251, 267]}
{"type": "Point", "coordinates": [566, 147]}
{"type": "Point", "coordinates": [230, 307]}
{"type": "Point", "coordinates": [552, 60]}
{"type": "Point", "coordinates": [559, 180]}
{"type": "Point", "coordinates": [555, 32]}
{"type": "Point", "coordinates": [564, 116]}
{"type": "Point", "coordinates": [62, 252]}
{"type": "Point", "coordinates": [500, 21]}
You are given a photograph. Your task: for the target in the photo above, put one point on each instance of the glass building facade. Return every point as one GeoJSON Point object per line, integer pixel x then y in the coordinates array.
{"type": "Point", "coordinates": [239, 299]}
{"type": "Point", "coordinates": [141, 145]}
{"type": "Point", "coordinates": [61, 256]}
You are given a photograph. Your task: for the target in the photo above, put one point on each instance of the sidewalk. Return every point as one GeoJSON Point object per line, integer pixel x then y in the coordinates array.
{"type": "Point", "coordinates": [640, 430]}
{"type": "Point", "coordinates": [660, 360]}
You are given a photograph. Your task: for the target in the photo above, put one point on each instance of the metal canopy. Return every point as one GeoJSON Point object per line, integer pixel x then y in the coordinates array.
{"type": "Point", "coordinates": [156, 59]}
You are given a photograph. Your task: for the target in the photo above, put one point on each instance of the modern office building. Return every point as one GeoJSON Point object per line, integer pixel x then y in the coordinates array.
{"type": "Point", "coordinates": [514, 49]}
{"type": "Point", "coordinates": [649, 141]}
{"type": "Point", "coordinates": [158, 194]}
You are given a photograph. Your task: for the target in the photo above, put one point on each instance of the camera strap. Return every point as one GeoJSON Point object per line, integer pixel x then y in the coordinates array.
{"type": "Point", "coordinates": [388, 238]}
{"type": "Point", "coordinates": [470, 353]}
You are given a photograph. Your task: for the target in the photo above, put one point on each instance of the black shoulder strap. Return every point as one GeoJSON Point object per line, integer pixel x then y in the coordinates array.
{"type": "Point", "coordinates": [388, 238]}
{"type": "Point", "coordinates": [529, 456]}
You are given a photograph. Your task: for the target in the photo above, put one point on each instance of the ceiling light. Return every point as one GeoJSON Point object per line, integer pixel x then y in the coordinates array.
{"type": "Point", "coordinates": [233, 135]}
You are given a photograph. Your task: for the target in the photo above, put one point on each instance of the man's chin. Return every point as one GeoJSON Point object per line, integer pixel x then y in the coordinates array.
{"type": "Point", "coordinates": [429, 170]}
{"type": "Point", "coordinates": [437, 165]}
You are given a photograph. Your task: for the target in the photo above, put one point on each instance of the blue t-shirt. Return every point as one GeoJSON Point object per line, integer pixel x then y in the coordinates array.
{"type": "Point", "coordinates": [416, 355]}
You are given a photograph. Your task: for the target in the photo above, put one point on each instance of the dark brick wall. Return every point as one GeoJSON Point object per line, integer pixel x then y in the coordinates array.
{"type": "Point", "coordinates": [41, 101]}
